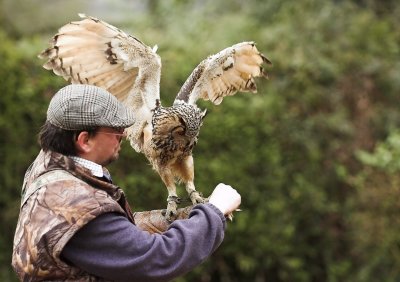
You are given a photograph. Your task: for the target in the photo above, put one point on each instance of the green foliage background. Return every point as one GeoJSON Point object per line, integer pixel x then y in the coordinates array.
{"type": "Point", "coordinates": [315, 154]}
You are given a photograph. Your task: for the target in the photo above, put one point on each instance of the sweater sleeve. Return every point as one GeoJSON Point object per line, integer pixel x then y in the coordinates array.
{"type": "Point", "coordinates": [113, 248]}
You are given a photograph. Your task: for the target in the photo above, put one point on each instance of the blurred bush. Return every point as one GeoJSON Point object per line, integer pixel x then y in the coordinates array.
{"type": "Point", "coordinates": [314, 153]}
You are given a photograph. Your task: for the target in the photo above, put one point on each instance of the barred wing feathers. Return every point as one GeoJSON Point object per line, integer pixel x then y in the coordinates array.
{"type": "Point", "coordinates": [91, 51]}
{"type": "Point", "coordinates": [94, 52]}
{"type": "Point", "coordinates": [224, 74]}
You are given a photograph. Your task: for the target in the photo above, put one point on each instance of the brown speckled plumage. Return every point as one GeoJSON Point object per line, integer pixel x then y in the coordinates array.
{"type": "Point", "coordinates": [92, 51]}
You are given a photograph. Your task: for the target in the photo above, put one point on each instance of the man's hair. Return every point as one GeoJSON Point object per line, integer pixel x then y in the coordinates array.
{"type": "Point", "coordinates": [53, 138]}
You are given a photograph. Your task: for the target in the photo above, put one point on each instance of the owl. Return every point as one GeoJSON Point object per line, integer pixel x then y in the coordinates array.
{"type": "Point", "coordinates": [91, 51]}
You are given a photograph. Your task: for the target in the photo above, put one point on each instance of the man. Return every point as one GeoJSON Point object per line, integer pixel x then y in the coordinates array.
{"type": "Point", "coordinates": [75, 224]}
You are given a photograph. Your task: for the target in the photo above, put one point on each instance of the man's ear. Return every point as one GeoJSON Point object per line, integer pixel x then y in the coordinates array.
{"type": "Point", "coordinates": [82, 143]}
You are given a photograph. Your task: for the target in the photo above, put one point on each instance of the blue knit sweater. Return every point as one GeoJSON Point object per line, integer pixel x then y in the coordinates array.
{"type": "Point", "coordinates": [111, 247]}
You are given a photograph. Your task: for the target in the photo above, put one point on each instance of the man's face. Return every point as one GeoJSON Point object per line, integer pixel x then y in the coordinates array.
{"type": "Point", "coordinates": [106, 143]}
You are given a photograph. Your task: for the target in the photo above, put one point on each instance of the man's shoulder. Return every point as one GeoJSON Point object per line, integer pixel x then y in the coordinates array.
{"type": "Point", "coordinates": [63, 185]}
{"type": "Point", "coordinates": [57, 179]}
{"type": "Point", "coordinates": [61, 189]}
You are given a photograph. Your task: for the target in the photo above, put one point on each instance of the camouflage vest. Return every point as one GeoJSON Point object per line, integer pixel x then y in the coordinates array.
{"type": "Point", "coordinates": [54, 206]}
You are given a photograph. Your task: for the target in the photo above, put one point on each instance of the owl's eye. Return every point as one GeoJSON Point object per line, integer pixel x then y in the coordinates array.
{"type": "Point", "coordinates": [178, 130]}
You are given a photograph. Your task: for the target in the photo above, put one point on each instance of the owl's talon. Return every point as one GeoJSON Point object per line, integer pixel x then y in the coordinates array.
{"type": "Point", "coordinates": [230, 215]}
{"type": "Point", "coordinates": [171, 211]}
{"type": "Point", "coordinates": [196, 197]}
{"type": "Point", "coordinates": [175, 199]}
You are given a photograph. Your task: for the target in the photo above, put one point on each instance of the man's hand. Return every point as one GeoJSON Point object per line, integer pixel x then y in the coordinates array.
{"type": "Point", "coordinates": [225, 198]}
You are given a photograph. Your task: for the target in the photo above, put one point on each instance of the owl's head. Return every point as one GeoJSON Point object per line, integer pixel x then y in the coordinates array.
{"type": "Point", "coordinates": [180, 121]}
{"type": "Point", "coordinates": [191, 118]}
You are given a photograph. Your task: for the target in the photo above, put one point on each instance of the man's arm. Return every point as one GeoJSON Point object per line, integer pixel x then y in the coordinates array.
{"type": "Point", "coordinates": [111, 247]}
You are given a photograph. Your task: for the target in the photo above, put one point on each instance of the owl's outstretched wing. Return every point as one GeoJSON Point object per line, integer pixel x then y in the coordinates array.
{"type": "Point", "coordinates": [224, 74]}
{"type": "Point", "coordinates": [91, 51]}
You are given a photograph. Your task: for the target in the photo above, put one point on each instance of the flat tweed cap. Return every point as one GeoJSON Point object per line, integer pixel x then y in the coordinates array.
{"type": "Point", "coordinates": [81, 106]}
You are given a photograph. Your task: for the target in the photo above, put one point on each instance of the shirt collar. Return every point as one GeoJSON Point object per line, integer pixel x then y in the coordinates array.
{"type": "Point", "coordinates": [96, 169]}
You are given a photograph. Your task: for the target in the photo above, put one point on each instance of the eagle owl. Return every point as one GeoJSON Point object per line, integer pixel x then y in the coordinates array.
{"type": "Point", "coordinates": [91, 51]}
